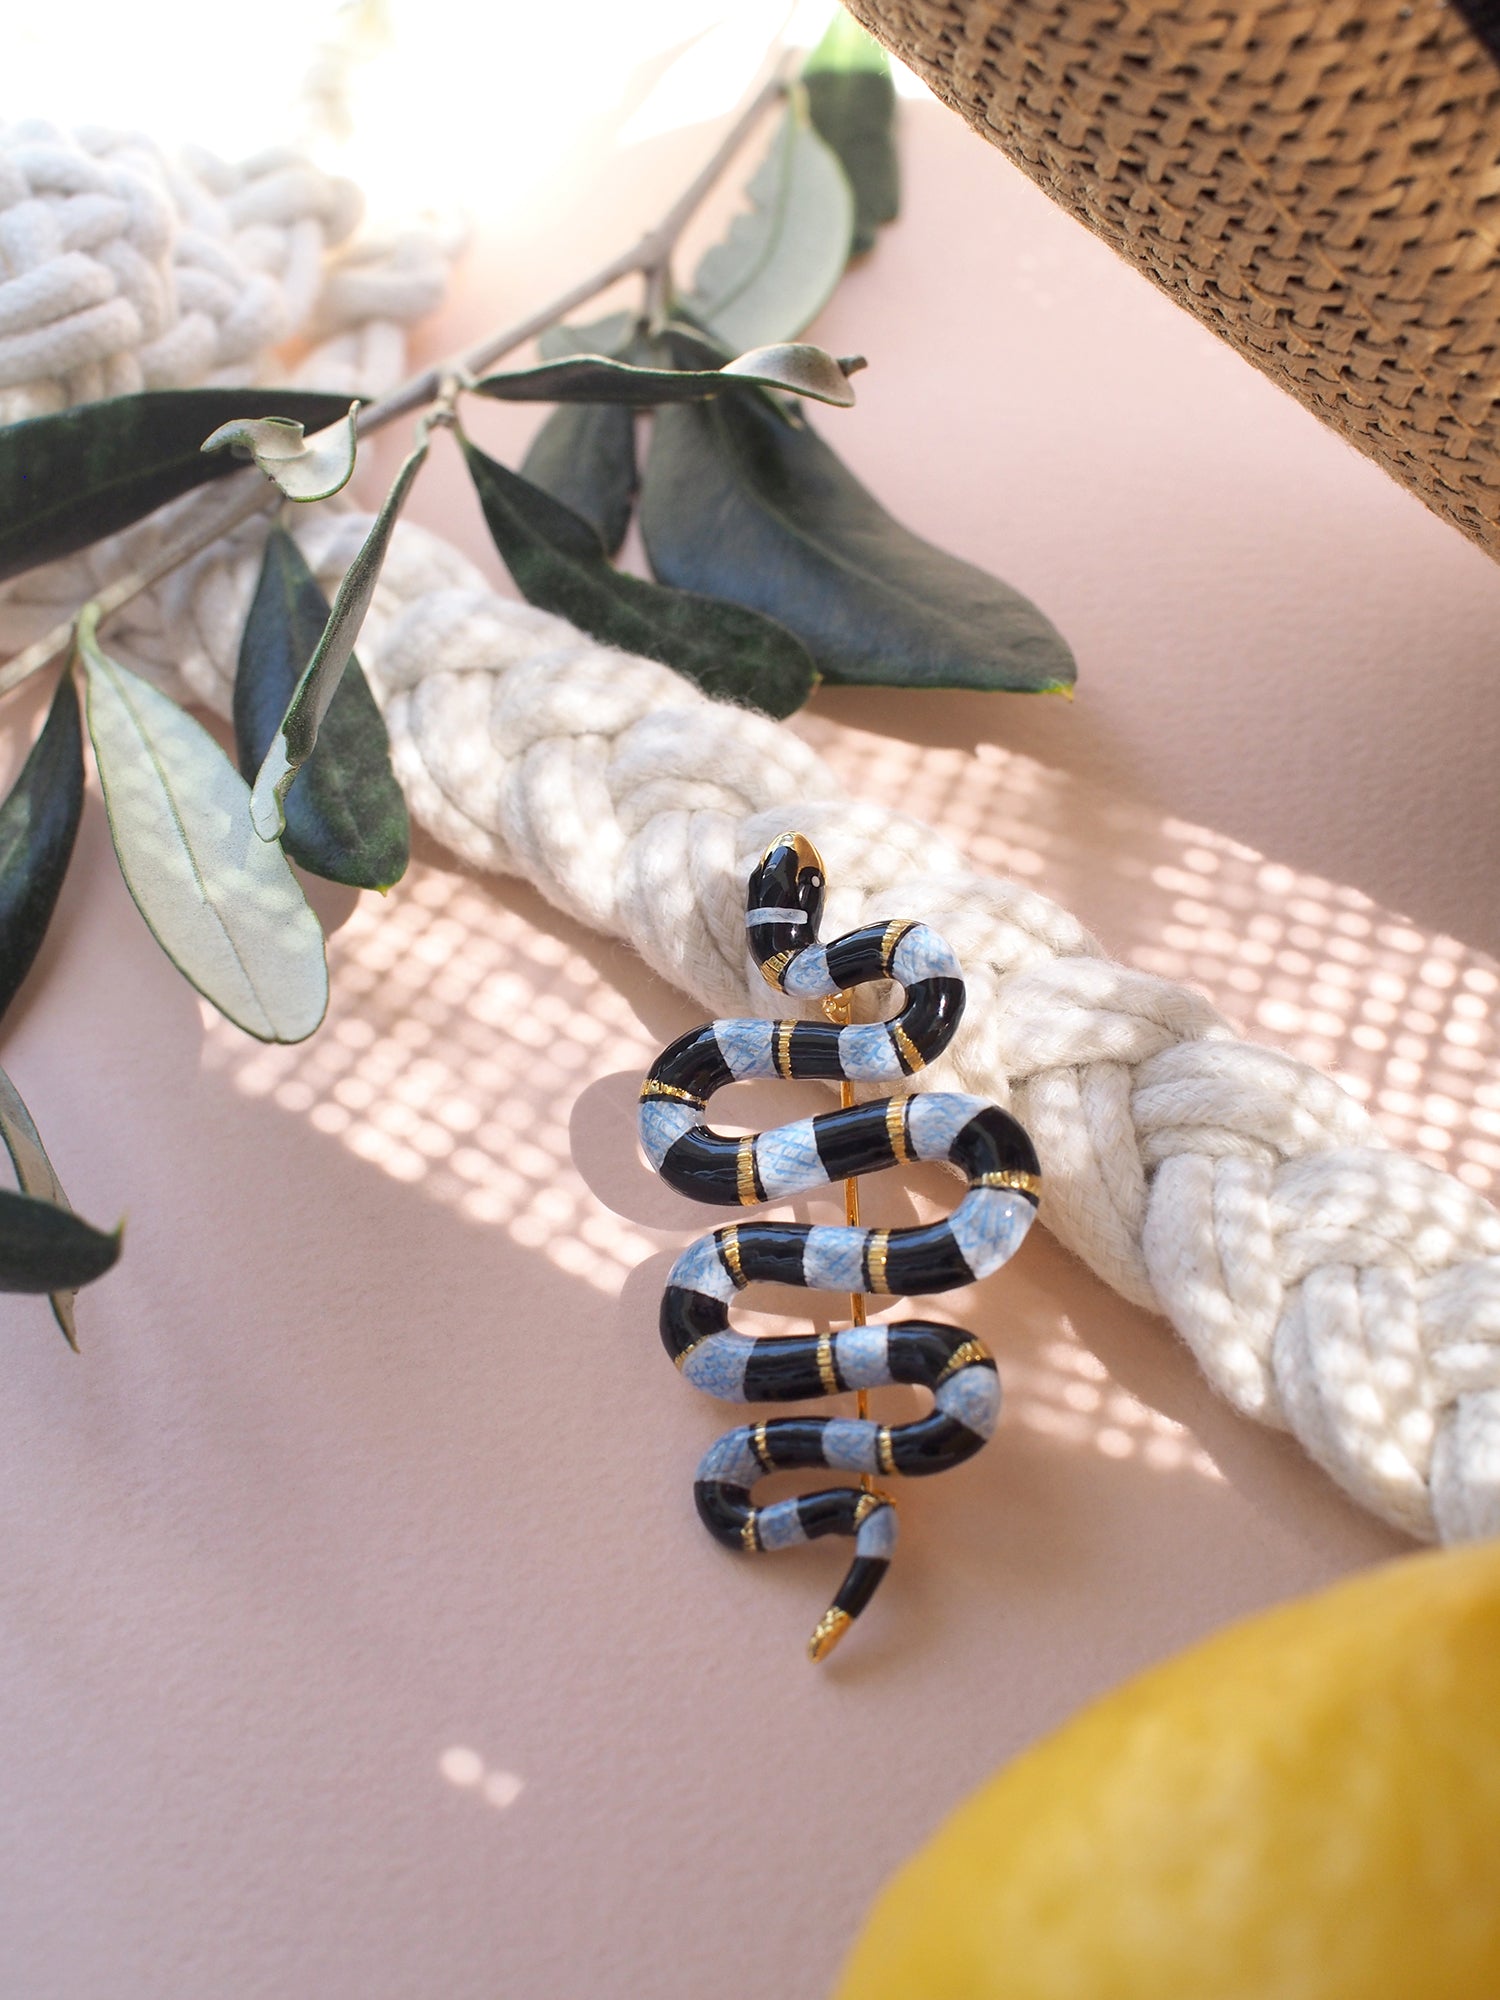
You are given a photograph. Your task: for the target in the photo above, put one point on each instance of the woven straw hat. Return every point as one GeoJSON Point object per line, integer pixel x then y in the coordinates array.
{"type": "Point", "coordinates": [1318, 180]}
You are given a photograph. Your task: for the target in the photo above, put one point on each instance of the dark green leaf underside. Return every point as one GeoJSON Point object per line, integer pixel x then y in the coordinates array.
{"type": "Point", "coordinates": [853, 111]}
{"type": "Point", "coordinates": [69, 479]}
{"type": "Point", "coordinates": [48, 1249]}
{"type": "Point", "coordinates": [346, 818]}
{"type": "Point", "coordinates": [38, 825]}
{"type": "Point", "coordinates": [584, 456]}
{"type": "Point", "coordinates": [740, 505]}
{"type": "Point", "coordinates": [558, 563]}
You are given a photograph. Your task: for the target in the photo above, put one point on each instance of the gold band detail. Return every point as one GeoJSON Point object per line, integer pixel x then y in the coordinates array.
{"type": "Point", "coordinates": [876, 1252]}
{"type": "Point", "coordinates": [729, 1250]}
{"type": "Point", "coordinates": [781, 1048]}
{"type": "Point", "coordinates": [682, 1359]}
{"type": "Point", "coordinates": [652, 1088]}
{"type": "Point", "coordinates": [867, 1502]}
{"type": "Point", "coordinates": [761, 1449]}
{"type": "Point", "coordinates": [895, 1127]}
{"type": "Point", "coordinates": [910, 1054]}
{"type": "Point", "coordinates": [831, 1627]}
{"type": "Point", "coordinates": [885, 1451]}
{"type": "Point", "coordinates": [963, 1357]}
{"type": "Point", "coordinates": [1024, 1183]}
{"type": "Point", "coordinates": [744, 1174]}
{"type": "Point", "coordinates": [895, 930]}
{"type": "Point", "coordinates": [750, 1535]}
{"type": "Point", "coordinates": [772, 968]}
{"type": "Point", "coordinates": [827, 1374]}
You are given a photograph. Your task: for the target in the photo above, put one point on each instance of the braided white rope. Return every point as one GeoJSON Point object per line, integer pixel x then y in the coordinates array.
{"type": "Point", "coordinates": [1325, 1283]}
{"type": "Point", "coordinates": [123, 269]}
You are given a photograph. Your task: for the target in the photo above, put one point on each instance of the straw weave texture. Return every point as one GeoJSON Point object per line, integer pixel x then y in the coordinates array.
{"type": "Point", "coordinates": [1317, 180]}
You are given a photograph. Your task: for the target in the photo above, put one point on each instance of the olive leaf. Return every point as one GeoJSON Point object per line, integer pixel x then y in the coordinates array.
{"type": "Point", "coordinates": [558, 563]}
{"type": "Point", "coordinates": [38, 824]}
{"type": "Point", "coordinates": [795, 367]}
{"type": "Point", "coordinates": [584, 456]}
{"type": "Point", "coordinates": [44, 1248]}
{"type": "Point", "coordinates": [222, 903]}
{"type": "Point", "coordinates": [346, 819]}
{"type": "Point", "coordinates": [305, 468]}
{"type": "Point", "coordinates": [38, 1236]}
{"type": "Point", "coordinates": [774, 271]}
{"type": "Point", "coordinates": [69, 479]}
{"type": "Point", "coordinates": [741, 504]}
{"type": "Point", "coordinates": [852, 102]}
{"type": "Point", "coordinates": [293, 742]}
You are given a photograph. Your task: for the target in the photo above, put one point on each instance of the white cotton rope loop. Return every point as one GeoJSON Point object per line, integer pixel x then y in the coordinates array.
{"type": "Point", "coordinates": [1326, 1284]}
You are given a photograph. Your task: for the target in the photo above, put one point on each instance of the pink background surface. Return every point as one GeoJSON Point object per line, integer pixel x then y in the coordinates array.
{"type": "Point", "coordinates": [359, 1635]}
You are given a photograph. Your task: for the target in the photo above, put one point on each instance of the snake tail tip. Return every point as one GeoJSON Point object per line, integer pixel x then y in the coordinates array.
{"type": "Point", "coordinates": [831, 1627]}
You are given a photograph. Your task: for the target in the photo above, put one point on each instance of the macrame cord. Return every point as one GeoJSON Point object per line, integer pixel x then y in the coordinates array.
{"type": "Point", "coordinates": [1326, 1284]}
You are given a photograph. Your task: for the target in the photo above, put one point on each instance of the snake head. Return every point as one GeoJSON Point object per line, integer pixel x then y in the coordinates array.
{"type": "Point", "coordinates": [784, 903]}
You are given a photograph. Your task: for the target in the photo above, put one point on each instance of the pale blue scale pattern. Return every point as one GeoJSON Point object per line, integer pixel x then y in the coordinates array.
{"type": "Point", "coordinates": [849, 1444]}
{"type": "Point", "coordinates": [746, 1047]}
{"type": "Point", "coordinates": [788, 1161]}
{"type": "Point", "coordinates": [731, 1460]}
{"type": "Point", "coordinates": [988, 1226]}
{"type": "Point", "coordinates": [973, 1397]}
{"type": "Point", "coordinates": [867, 1054]}
{"type": "Point", "coordinates": [934, 1120]}
{"type": "Point", "coordinates": [663, 1120]}
{"type": "Point", "coordinates": [807, 977]}
{"type": "Point", "coordinates": [700, 1268]}
{"type": "Point", "coordinates": [717, 1365]}
{"type": "Point", "coordinates": [862, 1353]}
{"type": "Point", "coordinates": [877, 1534]}
{"type": "Point", "coordinates": [833, 1259]}
{"type": "Point", "coordinates": [922, 954]}
{"type": "Point", "coordinates": [779, 1526]}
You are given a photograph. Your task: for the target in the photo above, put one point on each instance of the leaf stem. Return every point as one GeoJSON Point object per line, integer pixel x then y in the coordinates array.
{"type": "Point", "coordinates": [245, 494]}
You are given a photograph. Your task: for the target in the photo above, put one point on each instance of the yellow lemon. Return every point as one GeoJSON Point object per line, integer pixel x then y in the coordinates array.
{"type": "Point", "coordinates": [1305, 1807]}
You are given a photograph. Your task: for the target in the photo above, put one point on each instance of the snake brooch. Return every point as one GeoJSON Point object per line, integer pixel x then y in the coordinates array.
{"type": "Point", "coordinates": [985, 1145]}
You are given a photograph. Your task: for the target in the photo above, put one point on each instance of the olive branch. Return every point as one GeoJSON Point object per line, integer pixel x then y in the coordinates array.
{"type": "Point", "coordinates": [772, 568]}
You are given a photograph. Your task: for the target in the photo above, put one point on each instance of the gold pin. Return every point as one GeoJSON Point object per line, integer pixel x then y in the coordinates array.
{"type": "Point", "coordinates": [838, 1007]}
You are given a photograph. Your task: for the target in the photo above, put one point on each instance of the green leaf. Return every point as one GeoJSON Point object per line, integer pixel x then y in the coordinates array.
{"type": "Point", "coordinates": [223, 903]}
{"type": "Point", "coordinates": [38, 1179]}
{"type": "Point", "coordinates": [38, 823]}
{"type": "Point", "coordinates": [852, 102]}
{"type": "Point", "coordinates": [796, 367]}
{"type": "Point", "coordinates": [774, 271]}
{"type": "Point", "coordinates": [346, 819]}
{"type": "Point", "coordinates": [305, 468]}
{"type": "Point", "coordinates": [584, 456]}
{"type": "Point", "coordinates": [70, 479]}
{"type": "Point", "coordinates": [49, 1249]}
{"type": "Point", "coordinates": [557, 562]}
{"type": "Point", "coordinates": [743, 505]}
{"type": "Point", "coordinates": [293, 742]}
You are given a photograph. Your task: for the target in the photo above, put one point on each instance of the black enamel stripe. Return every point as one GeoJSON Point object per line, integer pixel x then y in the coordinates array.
{"type": "Point", "coordinates": [934, 1443]}
{"type": "Point", "coordinates": [694, 1063]}
{"type": "Point", "coordinates": [815, 1053]}
{"type": "Point", "coordinates": [857, 957]}
{"type": "Point", "coordinates": [852, 1142]}
{"type": "Point", "coordinates": [705, 1166]}
{"type": "Point", "coordinates": [785, 1370]}
{"type": "Point", "coordinates": [930, 1018]}
{"type": "Point", "coordinates": [688, 1317]}
{"type": "Point", "coordinates": [992, 1143]}
{"type": "Point", "coordinates": [860, 1584]}
{"type": "Point", "coordinates": [925, 1260]}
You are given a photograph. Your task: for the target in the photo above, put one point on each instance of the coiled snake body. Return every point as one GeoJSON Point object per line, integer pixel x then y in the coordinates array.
{"type": "Point", "coordinates": [983, 1142]}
